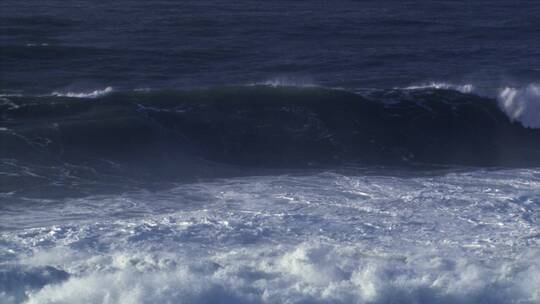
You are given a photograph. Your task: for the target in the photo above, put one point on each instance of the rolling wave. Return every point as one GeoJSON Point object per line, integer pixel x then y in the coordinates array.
{"type": "Point", "coordinates": [91, 94]}
{"type": "Point", "coordinates": [269, 126]}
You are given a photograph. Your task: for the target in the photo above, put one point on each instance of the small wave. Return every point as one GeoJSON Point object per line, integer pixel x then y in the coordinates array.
{"type": "Point", "coordinates": [522, 104]}
{"type": "Point", "coordinates": [286, 82]}
{"type": "Point", "coordinates": [143, 90]}
{"type": "Point", "coordinates": [463, 88]}
{"type": "Point", "coordinates": [7, 103]}
{"type": "Point", "coordinates": [93, 94]}
{"type": "Point", "coordinates": [36, 44]}
{"type": "Point", "coordinates": [11, 95]}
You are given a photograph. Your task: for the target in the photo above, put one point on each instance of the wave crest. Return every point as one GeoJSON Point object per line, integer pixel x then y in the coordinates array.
{"type": "Point", "coordinates": [93, 94]}
{"type": "Point", "coordinates": [522, 104]}
{"type": "Point", "coordinates": [463, 88]}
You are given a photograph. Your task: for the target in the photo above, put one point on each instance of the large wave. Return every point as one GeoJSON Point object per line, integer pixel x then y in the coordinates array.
{"type": "Point", "coordinates": [267, 126]}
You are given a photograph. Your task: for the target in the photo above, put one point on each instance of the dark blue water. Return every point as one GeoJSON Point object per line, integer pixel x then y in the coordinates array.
{"type": "Point", "coordinates": [79, 45]}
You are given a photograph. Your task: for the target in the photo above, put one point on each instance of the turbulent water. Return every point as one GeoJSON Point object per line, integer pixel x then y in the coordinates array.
{"type": "Point", "coordinates": [269, 152]}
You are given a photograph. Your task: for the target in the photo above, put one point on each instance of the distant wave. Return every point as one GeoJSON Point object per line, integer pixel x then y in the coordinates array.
{"type": "Point", "coordinates": [522, 104]}
{"type": "Point", "coordinates": [463, 88]}
{"type": "Point", "coordinates": [92, 94]}
{"type": "Point", "coordinates": [36, 44]}
{"type": "Point", "coordinates": [286, 82]}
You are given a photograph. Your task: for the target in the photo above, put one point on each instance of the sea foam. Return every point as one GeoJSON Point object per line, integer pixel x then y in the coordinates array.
{"type": "Point", "coordinates": [311, 272]}
{"type": "Point", "coordinates": [522, 104]}
{"type": "Point", "coordinates": [326, 238]}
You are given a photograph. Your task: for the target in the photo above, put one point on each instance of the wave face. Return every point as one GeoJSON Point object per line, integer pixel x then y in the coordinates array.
{"type": "Point", "coordinates": [261, 126]}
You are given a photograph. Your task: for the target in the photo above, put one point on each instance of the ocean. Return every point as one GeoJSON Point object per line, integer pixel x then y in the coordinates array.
{"type": "Point", "coordinates": [270, 151]}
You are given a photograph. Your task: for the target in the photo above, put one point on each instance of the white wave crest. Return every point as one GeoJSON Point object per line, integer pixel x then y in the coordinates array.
{"type": "Point", "coordinates": [93, 94]}
{"type": "Point", "coordinates": [463, 88]}
{"type": "Point", "coordinates": [522, 104]}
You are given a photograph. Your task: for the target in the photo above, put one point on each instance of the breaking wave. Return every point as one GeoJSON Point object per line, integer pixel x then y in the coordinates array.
{"type": "Point", "coordinates": [92, 94]}
{"type": "Point", "coordinates": [275, 127]}
{"type": "Point", "coordinates": [522, 104]}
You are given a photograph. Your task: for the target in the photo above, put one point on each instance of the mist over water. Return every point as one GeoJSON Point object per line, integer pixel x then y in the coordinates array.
{"type": "Point", "coordinates": [269, 152]}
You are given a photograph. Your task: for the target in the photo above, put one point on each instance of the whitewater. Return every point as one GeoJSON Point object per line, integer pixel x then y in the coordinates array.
{"type": "Point", "coordinates": [467, 237]}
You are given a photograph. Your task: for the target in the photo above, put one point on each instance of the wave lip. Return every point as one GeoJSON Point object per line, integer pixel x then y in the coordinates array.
{"type": "Point", "coordinates": [93, 94]}
{"type": "Point", "coordinates": [522, 104]}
